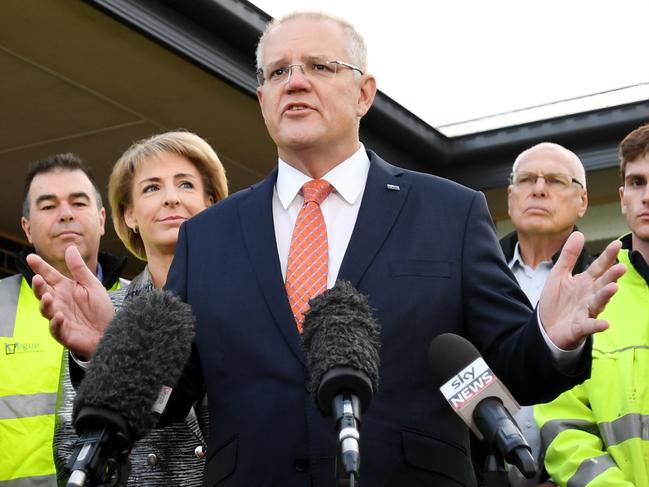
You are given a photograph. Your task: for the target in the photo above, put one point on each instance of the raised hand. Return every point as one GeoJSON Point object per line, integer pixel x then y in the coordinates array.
{"type": "Point", "coordinates": [79, 309]}
{"type": "Point", "coordinates": [569, 305]}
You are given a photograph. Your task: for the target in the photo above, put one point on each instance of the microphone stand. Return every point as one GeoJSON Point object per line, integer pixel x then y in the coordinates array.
{"type": "Point", "coordinates": [347, 413]}
{"type": "Point", "coordinates": [342, 481]}
{"type": "Point", "coordinates": [505, 442]}
{"type": "Point", "coordinates": [341, 393]}
{"type": "Point", "coordinates": [495, 474]}
{"type": "Point", "coordinates": [113, 474]}
{"type": "Point", "coordinates": [100, 457]}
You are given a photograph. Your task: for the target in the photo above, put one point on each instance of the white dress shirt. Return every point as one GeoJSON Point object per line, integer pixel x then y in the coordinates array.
{"type": "Point", "coordinates": [530, 280]}
{"type": "Point", "coordinates": [339, 209]}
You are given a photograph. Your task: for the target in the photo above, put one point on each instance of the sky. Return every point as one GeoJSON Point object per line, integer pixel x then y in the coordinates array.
{"type": "Point", "coordinates": [459, 60]}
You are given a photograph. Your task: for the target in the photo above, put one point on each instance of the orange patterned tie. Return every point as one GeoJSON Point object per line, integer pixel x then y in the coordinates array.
{"type": "Point", "coordinates": [306, 272]}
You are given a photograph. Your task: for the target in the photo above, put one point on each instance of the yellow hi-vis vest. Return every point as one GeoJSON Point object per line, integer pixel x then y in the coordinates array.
{"type": "Point", "coordinates": [597, 434]}
{"type": "Point", "coordinates": [30, 368]}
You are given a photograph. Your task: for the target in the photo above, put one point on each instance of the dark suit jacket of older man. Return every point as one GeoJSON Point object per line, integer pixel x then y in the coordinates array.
{"type": "Point", "coordinates": [425, 253]}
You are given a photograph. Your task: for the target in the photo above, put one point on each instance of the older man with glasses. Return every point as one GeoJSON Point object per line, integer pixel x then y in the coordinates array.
{"type": "Point", "coordinates": [546, 196]}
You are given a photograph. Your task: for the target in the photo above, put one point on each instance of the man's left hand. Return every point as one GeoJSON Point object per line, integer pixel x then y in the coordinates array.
{"type": "Point", "coordinates": [569, 305]}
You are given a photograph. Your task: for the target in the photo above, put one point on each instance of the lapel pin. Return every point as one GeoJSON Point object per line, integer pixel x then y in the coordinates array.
{"type": "Point", "coordinates": [393, 187]}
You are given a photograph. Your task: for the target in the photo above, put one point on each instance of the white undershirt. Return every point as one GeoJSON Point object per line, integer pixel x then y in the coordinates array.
{"type": "Point", "coordinates": [339, 209]}
{"type": "Point", "coordinates": [530, 280]}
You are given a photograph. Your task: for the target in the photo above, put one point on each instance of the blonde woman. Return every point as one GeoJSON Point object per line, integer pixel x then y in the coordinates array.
{"type": "Point", "coordinates": [155, 186]}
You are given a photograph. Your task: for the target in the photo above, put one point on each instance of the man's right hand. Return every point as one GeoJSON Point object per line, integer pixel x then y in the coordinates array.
{"type": "Point", "coordinates": [79, 309]}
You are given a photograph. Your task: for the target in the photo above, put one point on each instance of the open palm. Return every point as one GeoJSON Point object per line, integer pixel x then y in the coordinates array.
{"type": "Point", "coordinates": [79, 309]}
{"type": "Point", "coordinates": [569, 305]}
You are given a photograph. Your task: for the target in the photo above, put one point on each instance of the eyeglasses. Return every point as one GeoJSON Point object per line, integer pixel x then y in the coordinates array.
{"type": "Point", "coordinates": [523, 179]}
{"type": "Point", "coordinates": [278, 75]}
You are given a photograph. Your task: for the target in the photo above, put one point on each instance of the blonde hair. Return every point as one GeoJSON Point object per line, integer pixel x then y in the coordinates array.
{"type": "Point", "coordinates": [185, 144]}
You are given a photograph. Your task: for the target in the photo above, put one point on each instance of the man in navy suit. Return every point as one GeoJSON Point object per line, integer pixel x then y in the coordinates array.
{"type": "Point", "coordinates": [421, 248]}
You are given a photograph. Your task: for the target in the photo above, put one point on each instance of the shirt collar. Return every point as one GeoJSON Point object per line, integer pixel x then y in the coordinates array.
{"type": "Point", "coordinates": [636, 258]}
{"type": "Point", "coordinates": [348, 178]}
{"type": "Point", "coordinates": [100, 272]}
{"type": "Point", "coordinates": [516, 259]}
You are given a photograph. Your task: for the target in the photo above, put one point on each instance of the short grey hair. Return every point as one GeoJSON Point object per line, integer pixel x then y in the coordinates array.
{"type": "Point", "coordinates": [581, 172]}
{"type": "Point", "coordinates": [356, 47]}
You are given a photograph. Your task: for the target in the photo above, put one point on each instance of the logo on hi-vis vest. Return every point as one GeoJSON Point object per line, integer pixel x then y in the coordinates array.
{"type": "Point", "coordinates": [17, 348]}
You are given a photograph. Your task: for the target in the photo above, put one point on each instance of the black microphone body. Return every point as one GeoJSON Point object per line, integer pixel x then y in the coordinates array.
{"type": "Point", "coordinates": [143, 352]}
{"type": "Point", "coordinates": [100, 455]}
{"type": "Point", "coordinates": [342, 341]}
{"type": "Point", "coordinates": [480, 399]}
{"type": "Point", "coordinates": [502, 434]}
{"type": "Point", "coordinates": [343, 393]}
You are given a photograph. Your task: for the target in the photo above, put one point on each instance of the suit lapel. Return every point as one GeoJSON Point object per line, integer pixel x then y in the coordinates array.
{"type": "Point", "coordinates": [379, 209]}
{"type": "Point", "coordinates": [256, 216]}
{"type": "Point", "coordinates": [384, 195]}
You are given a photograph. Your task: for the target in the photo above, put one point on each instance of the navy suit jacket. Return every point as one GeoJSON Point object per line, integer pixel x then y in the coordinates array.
{"type": "Point", "coordinates": [429, 261]}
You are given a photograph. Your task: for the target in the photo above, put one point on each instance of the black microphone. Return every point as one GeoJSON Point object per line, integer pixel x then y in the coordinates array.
{"type": "Point", "coordinates": [480, 399]}
{"type": "Point", "coordinates": [141, 355]}
{"type": "Point", "coordinates": [342, 340]}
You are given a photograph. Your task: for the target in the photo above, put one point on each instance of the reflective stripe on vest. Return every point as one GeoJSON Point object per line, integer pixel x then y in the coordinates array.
{"type": "Point", "coordinates": [40, 481]}
{"type": "Point", "coordinates": [589, 469]}
{"type": "Point", "coordinates": [632, 425]}
{"type": "Point", "coordinates": [9, 292]}
{"type": "Point", "coordinates": [629, 426]}
{"type": "Point", "coordinates": [26, 405]}
{"type": "Point", "coordinates": [551, 429]}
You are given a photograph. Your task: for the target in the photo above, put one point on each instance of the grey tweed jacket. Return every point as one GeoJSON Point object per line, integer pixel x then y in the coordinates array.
{"type": "Point", "coordinates": [166, 457]}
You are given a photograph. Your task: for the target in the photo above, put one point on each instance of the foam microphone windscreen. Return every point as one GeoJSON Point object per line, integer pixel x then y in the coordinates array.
{"type": "Point", "coordinates": [145, 347]}
{"type": "Point", "coordinates": [340, 330]}
{"type": "Point", "coordinates": [448, 354]}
